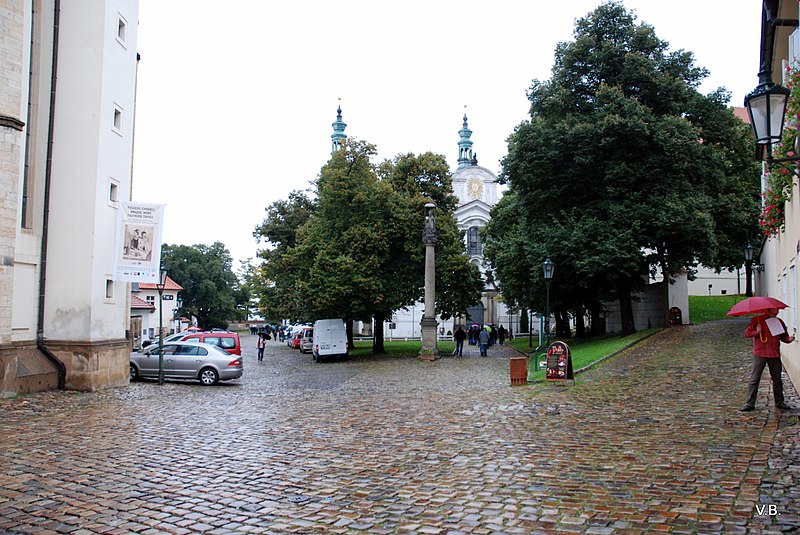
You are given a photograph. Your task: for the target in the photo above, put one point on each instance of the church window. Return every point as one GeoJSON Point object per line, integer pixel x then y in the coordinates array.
{"type": "Point", "coordinates": [474, 241]}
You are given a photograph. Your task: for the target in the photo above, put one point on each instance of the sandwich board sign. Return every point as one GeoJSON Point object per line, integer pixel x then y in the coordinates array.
{"type": "Point", "coordinates": [559, 362]}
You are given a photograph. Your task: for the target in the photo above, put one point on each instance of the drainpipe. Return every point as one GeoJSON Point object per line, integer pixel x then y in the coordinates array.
{"type": "Point", "coordinates": [62, 370]}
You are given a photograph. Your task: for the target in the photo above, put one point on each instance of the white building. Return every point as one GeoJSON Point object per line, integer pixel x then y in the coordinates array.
{"type": "Point", "coordinates": [67, 96]}
{"type": "Point", "coordinates": [780, 48]}
{"type": "Point", "coordinates": [145, 310]}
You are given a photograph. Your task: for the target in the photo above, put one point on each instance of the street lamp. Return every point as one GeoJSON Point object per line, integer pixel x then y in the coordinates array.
{"type": "Point", "coordinates": [179, 303]}
{"type": "Point", "coordinates": [549, 267]}
{"type": "Point", "coordinates": [766, 105]}
{"type": "Point", "coordinates": [160, 288]}
{"type": "Point", "coordinates": [748, 270]}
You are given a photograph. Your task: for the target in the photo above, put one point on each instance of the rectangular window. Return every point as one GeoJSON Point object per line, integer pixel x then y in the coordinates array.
{"type": "Point", "coordinates": [122, 26]}
{"type": "Point", "coordinates": [109, 289]}
{"type": "Point", "coordinates": [473, 241]}
{"type": "Point", "coordinates": [113, 192]}
{"type": "Point", "coordinates": [151, 299]}
{"type": "Point", "coordinates": [117, 126]}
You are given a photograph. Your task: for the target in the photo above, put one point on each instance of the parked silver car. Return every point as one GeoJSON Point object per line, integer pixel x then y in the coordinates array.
{"type": "Point", "coordinates": [188, 360]}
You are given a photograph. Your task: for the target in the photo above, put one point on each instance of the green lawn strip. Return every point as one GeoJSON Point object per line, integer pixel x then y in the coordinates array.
{"type": "Point", "coordinates": [704, 308]}
{"type": "Point", "coordinates": [586, 353]}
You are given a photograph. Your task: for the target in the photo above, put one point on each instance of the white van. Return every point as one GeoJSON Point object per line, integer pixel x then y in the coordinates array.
{"type": "Point", "coordinates": [330, 339]}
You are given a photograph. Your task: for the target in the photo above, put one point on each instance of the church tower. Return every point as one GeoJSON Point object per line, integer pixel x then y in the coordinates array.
{"type": "Point", "coordinates": [465, 156]}
{"type": "Point", "coordinates": [476, 189]}
{"type": "Point", "coordinates": [338, 135]}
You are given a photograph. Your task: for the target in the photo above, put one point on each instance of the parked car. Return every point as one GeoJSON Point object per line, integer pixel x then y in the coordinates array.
{"type": "Point", "coordinates": [330, 340]}
{"type": "Point", "coordinates": [294, 341]}
{"type": "Point", "coordinates": [306, 339]}
{"type": "Point", "coordinates": [187, 360]}
{"type": "Point", "coordinates": [154, 341]}
{"type": "Point", "coordinates": [229, 341]}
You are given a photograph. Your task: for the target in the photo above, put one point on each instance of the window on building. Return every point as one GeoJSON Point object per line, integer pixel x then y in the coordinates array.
{"type": "Point", "coordinates": [122, 27]}
{"type": "Point", "coordinates": [117, 126]}
{"type": "Point", "coordinates": [151, 299]}
{"type": "Point", "coordinates": [113, 191]}
{"type": "Point", "coordinates": [109, 289]}
{"type": "Point", "coordinates": [474, 241]}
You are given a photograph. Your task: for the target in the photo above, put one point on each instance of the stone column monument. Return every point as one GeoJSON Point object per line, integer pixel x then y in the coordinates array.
{"type": "Point", "coordinates": [428, 323]}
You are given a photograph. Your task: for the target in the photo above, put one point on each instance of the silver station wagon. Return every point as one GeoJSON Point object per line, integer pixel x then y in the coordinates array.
{"type": "Point", "coordinates": [188, 360]}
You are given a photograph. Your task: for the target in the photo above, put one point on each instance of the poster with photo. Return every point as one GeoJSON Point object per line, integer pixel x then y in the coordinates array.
{"type": "Point", "coordinates": [137, 254]}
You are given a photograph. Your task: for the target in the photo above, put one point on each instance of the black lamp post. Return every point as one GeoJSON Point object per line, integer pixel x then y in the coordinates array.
{"type": "Point", "coordinates": [178, 315]}
{"type": "Point", "coordinates": [160, 288]}
{"type": "Point", "coordinates": [549, 267]}
{"type": "Point", "coordinates": [748, 268]}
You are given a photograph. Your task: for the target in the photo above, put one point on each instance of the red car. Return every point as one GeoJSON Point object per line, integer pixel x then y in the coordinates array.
{"type": "Point", "coordinates": [296, 339]}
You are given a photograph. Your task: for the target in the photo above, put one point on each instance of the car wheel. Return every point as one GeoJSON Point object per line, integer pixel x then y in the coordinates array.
{"type": "Point", "coordinates": [209, 376]}
{"type": "Point", "coordinates": [134, 373]}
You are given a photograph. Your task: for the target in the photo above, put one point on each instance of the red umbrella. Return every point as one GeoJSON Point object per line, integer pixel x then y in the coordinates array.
{"type": "Point", "coordinates": [193, 328]}
{"type": "Point", "coordinates": [754, 305]}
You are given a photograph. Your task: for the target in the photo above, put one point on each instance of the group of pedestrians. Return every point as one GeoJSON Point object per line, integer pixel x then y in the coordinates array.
{"type": "Point", "coordinates": [484, 336]}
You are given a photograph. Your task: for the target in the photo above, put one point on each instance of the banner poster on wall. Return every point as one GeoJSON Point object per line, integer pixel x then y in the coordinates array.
{"type": "Point", "coordinates": [137, 253]}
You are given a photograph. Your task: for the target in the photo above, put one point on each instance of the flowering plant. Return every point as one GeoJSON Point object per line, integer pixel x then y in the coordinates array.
{"type": "Point", "coordinates": [780, 177]}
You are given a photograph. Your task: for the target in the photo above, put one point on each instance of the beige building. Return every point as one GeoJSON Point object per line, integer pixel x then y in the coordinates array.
{"type": "Point", "coordinates": [68, 72]}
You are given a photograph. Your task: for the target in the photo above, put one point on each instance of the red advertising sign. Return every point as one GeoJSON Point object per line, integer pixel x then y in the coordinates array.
{"type": "Point", "coordinates": [559, 362]}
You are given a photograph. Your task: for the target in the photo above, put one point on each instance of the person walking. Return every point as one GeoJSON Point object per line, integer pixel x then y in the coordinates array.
{"type": "Point", "coordinates": [262, 343]}
{"type": "Point", "coordinates": [501, 334]}
{"type": "Point", "coordinates": [459, 336]}
{"type": "Point", "coordinates": [767, 332]}
{"type": "Point", "coordinates": [483, 340]}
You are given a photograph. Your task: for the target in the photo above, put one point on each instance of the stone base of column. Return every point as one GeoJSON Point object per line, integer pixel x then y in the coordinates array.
{"type": "Point", "coordinates": [429, 339]}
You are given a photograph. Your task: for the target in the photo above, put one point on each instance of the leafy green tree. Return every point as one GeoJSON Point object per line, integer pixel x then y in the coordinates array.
{"type": "Point", "coordinates": [211, 291]}
{"type": "Point", "coordinates": [624, 169]}
{"type": "Point", "coordinates": [356, 252]}
{"type": "Point", "coordinates": [274, 280]}
{"type": "Point", "coordinates": [418, 180]}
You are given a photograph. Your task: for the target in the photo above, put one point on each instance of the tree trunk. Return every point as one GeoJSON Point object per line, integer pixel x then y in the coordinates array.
{"type": "Point", "coordinates": [349, 329]}
{"type": "Point", "coordinates": [580, 323]}
{"type": "Point", "coordinates": [598, 322]}
{"type": "Point", "coordinates": [377, 334]}
{"type": "Point", "coordinates": [563, 329]}
{"type": "Point", "coordinates": [626, 309]}
{"type": "Point", "coordinates": [523, 321]}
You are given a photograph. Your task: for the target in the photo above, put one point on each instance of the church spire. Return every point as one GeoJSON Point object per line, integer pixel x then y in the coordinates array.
{"type": "Point", "coordinates": [465, 155]}
{"type": "Point", "coordinates": [338, 135]}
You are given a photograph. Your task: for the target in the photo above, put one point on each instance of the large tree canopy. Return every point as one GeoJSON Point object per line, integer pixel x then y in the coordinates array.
{"type": "Point", "coordinates": [356, 251]}
{"type": "Point", "coordinates": [624, 168]}
{"type": "Point", "coordinates": [211, 290]}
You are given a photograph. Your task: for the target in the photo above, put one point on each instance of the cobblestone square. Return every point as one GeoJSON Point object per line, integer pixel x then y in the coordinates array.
{"type": "Point", "coordinates": [650, 441]}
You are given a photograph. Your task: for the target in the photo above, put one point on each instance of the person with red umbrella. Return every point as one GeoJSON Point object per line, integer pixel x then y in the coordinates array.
{"type": "Point", "coordinates": [767, 332]}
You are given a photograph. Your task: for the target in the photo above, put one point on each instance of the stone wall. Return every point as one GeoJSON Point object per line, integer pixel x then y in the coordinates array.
{"type": "Point", "coordinates": [11, 140]}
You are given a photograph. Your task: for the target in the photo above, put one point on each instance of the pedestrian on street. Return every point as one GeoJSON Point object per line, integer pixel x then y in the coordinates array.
{"type": "Point", "coordinates": [501, 334]}
{"type": "Point", "coordinates": [483, 339]}
{"type": "Point", "coordinates": [459, 336]}
{"type": "Point", "coordinates": [767, 332]}
{"type": "Point", "coordinates": [262, 343]}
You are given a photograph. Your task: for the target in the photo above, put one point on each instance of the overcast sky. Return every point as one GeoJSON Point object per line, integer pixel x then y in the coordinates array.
{"type": "Point", "coordinates": [236, 99]}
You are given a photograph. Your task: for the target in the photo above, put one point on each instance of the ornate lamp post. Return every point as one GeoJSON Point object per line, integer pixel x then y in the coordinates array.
{"type": "Point", "coordinates": [160, 288]}
{"type": "Point", "coordinates": [428, 322]}
{"type": "Point", "coordinates": [549, 267]}
{"type": "Point", "coordinates": [766, 105]}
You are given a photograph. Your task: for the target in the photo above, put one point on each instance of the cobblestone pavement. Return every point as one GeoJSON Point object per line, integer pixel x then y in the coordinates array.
{"type": "Point", "coordinates": [651, 441]}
